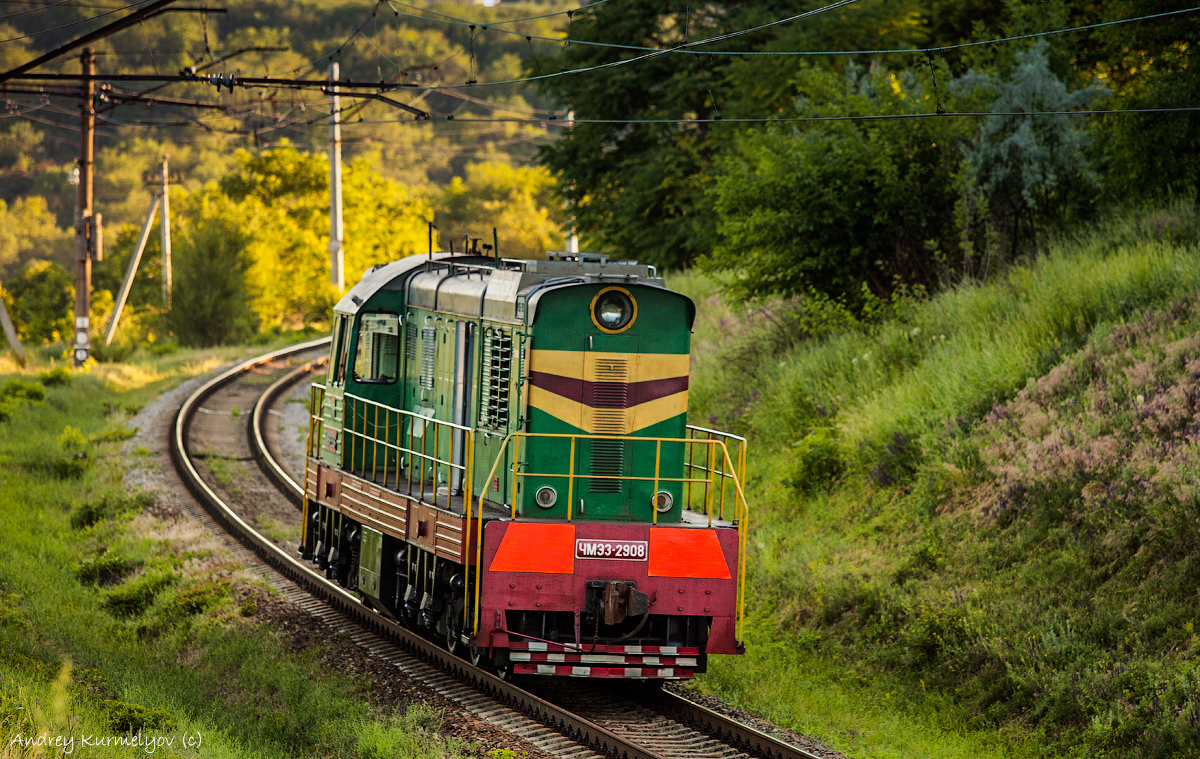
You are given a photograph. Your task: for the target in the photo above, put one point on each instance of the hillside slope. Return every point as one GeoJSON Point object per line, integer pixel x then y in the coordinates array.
{"type": "Point", "coordinates": [984, 506]}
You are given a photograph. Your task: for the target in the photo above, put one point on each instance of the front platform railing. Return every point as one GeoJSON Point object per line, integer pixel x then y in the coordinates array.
{"type": "Point", "coordinates": [715, 471]}
{"type": "Point", "coordinates": [399, 449]}
{"type": "Point", "coordinates": [404, 450]}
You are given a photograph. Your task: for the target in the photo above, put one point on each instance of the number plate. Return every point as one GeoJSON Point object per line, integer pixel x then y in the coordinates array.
{"type": "Point", "coordinates": [624, 550]}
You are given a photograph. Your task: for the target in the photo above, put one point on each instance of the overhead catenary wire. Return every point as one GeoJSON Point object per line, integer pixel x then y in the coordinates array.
{"type": "Point", "coordinates": [696, 51]}
{"type": "Point", "coordinates": [655, 53]}
{"type": "Point", "coordinates": [73, 23]}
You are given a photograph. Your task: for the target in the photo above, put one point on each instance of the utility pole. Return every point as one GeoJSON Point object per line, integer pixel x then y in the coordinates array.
{"type": "Point", "coordinates": [86, 233]}
{"type": "Point", "coordinates": [166, 235]}
{"type": "Point", "coordinates": [572, 238]}
{"type": "Point", "coordinates": [336, 258]}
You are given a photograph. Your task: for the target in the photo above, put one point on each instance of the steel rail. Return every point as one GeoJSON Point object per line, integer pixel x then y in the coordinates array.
{"type": "Point", "coordinates": [258, 439]}
{"type": "Point", "coordinates": [577, 728]}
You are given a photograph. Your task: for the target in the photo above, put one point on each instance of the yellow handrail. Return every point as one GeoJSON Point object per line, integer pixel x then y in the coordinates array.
{"type": "Point", "coordinates": [356, 406]}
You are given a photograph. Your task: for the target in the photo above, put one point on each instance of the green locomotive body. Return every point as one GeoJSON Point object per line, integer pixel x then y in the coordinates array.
{"type": "Point", "coordinates": [464, 391]}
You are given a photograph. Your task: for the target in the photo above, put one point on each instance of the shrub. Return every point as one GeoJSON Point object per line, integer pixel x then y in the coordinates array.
{"type": "Point", "coordinates": [816, 463]}
{"type": "Point", "coordinates": [104, 569]}
{"type": "Point", "coordinates": [136, 595]}
{"type": "Point", "coordinates": [108, 506]}
{"type": "Point", "coordinates": [124, 717]}
{"type": "Point", "coordinates": [59, 376]}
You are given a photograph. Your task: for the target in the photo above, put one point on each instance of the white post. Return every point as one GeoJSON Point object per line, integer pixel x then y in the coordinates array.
{"type": "Point", "coordinates": [166, 235]}
{"type": "Point", "coordinates": [572, 238]}
{"type": "Point", "coordinates": [336, 271]}
{"type": "Point", "coordinates": [10, 332]}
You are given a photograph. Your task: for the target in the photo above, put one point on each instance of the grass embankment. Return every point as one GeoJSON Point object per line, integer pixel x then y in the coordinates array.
{"type": "Point", "coordinates": [115, 622]}
{"type": "Point", "coordinates": [976, 521]}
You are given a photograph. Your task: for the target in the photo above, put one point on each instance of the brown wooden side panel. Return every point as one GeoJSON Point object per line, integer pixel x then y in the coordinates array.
{"type": "Point", "coordinates": [438, 531]}
{"type": "Point", "coordinates": [329, 487]}
{"type": "Point", "coordinates": [380, 509]}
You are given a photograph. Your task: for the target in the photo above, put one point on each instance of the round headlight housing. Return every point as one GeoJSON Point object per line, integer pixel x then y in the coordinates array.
{"type": "Point", "coordinates": [663, 501]}
{"type": "Point", "coordinates": [545, 496]}
{"type": "Point", "coordinates": [613, 310]}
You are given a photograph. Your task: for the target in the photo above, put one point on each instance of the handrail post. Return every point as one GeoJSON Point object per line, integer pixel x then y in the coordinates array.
{"type": "Point", "coordinates": [691, 450]}
{"type": "Point", "coordinates": [437, 452]}
{"type": "Point", "coordinates": [374, 445]}
{"type": "Point", "coordinates": [654, 493]}
{"type": "Point", "coordinates": [571, 479]}
{"type": "Point", "coordinates": [711, 483]}
{"type": "Point", "coordinates": [516, 455]}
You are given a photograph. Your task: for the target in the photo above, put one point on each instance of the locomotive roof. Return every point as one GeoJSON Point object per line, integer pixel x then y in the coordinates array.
{"type": "Point", "coordinates": [478, 286]}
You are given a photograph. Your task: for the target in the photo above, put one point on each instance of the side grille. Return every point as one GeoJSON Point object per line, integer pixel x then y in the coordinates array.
{"type": "Point", "coordinates": [608, 401]}
{"type": "Point", "coordinates": [428, 356]}
{"type": "Point", "coordinates": [410, 340]}
{"type": "Point", "coordinates": [497, 379]}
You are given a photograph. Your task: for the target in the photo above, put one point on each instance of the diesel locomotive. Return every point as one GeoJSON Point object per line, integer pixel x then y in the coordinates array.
{"type": "Point", "coordinates": [500, 456]}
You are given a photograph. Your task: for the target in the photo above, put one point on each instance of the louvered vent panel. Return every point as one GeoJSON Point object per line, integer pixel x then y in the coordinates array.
{"type": "Point", "coordinates": [608, 402]}
{"type": "Point", "coordinates": [428, 356]}
{"type": "Point", "coordinates": [497, 379]}
{"type": "Point", "coordinates": [410, 341]}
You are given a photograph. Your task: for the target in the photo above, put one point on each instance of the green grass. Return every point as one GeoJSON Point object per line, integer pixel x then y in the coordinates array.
{"type": "Point", "coordinates": [112, 621]}
{"type": "Point", "coordinates": [970, 515]}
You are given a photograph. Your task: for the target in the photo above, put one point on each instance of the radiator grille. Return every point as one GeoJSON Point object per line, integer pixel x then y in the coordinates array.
{"type": "Point", "coordinates": [497, 380]}
{"type": "Point", "coordinates": [410, 341]}
{"type": "Point", "coordinates": [609, 398]}
{"type": "Point", "coordinates": [428, 356]}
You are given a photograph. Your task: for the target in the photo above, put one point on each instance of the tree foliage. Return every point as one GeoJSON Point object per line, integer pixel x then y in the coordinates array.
{"type": "Point", "coordinates": [832, 206]}
{"type": "Point", "coordinates": [519, 202]}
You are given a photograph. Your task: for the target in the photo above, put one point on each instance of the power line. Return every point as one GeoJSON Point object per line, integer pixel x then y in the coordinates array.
{"type": "Point", "coordinates": [42, 8]}
{"type": "Point", "coordinates": [801, 119]}
{"type": "Point", "coordinates": [883, 51]}
{"type": "Point", "coordinates": [73, 23]}
{"type": "Point", "coordinates": [659, 52]}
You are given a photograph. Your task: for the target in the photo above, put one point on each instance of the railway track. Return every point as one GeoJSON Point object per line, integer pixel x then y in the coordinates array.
{"type": "Point", "coordinates": [654, 724]}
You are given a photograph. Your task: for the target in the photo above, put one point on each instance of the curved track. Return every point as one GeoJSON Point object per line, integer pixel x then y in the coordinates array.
{"type": "Point", "coordinates": [660, 725]}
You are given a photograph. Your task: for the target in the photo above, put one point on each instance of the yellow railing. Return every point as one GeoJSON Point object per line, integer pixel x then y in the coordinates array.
{"type": "Point", "coordinates": [421, 456]}
{"type": "Point", "coordinates": [715, 474]}
{"type": "Point", "coordinates": [716, 469]}
{"type": "Point", "coordinates": [709, 464]}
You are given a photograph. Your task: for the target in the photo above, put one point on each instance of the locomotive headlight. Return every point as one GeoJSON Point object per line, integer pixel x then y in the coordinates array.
{"type": "Point", "coordinates": [613, 310]}
{"type": "Point", "coordinates": [663, 501]}
{"type": "Point", "coordinates": [545, 496]}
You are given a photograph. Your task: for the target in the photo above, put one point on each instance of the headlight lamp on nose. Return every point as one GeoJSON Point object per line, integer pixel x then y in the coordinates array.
{"type": "Point", "coordinates": [545, 496]}
{"type": "Point", "coordinates": [613, 310]}
{"type": "Point", "coordinates": [663, 501]}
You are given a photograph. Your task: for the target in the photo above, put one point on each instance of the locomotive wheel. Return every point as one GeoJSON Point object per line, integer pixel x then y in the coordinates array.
{"type": "Point", "coordinates": [475, 656]}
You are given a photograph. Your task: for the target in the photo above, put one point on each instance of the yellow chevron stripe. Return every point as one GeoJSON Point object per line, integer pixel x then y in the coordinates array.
{"type": "Point", "coordinates": [601, 421]}
{"type": "Point", "coordinates": [646, 366]}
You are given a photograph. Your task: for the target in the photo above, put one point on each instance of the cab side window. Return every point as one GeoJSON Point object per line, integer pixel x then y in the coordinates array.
{"type": "Point", "coordinates": [378, 354]}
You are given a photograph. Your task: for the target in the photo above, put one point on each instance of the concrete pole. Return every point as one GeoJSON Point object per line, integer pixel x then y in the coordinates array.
{"type": "Point", "coordinates": [166, 234]}
{"type": "Point", "coordinates": [572, 238]}
{"type": "Point", "coordinates": [83, 211]}
{"type": "Point", "coordinates": [336, 253]}
{"type": "Point", "coordinates": [130, 273]}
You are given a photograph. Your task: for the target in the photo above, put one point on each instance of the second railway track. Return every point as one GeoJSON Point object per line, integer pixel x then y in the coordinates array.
{"type": "Point", "coordinates": [261, 497]}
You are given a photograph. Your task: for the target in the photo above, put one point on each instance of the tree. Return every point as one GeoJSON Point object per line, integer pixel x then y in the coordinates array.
{"type": "Point", "coordinates": [43, 299]}
{"type": "Point", "coordinates": [1022, 172]}
{"type": "Point", "coordinates": [28, 231]}
{"type": "Point", "coordinates": [829, 206]}
{"type": "Point", "coordinates": [210, 304]}
{"type": "Point", "coordinates": [520, 203]}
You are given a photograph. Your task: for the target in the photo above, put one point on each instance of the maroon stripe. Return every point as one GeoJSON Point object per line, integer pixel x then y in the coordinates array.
{"type": "Point", "coordinates": [608, 394]}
